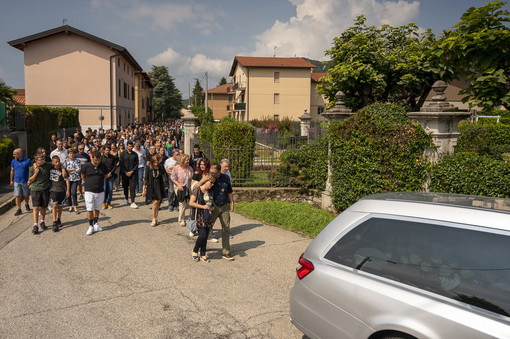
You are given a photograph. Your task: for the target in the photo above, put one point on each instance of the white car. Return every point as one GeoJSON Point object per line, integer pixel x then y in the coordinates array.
{"type": "Point", "coordinates": [408, 265]}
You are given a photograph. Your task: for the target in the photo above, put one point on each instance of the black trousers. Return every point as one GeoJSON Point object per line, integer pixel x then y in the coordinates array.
{"type": "Point", "coordinates": [201, 243]}
{"type": "Point", "coordinates": [129, 186]}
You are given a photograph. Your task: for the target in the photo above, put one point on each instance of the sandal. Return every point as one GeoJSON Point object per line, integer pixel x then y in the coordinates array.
{"type": "Point", "coordinates": [154, 222]}
{"type": "Point", "coordinates": [205, 259]}
{"type": "Point", "coordinates": [195, 256]}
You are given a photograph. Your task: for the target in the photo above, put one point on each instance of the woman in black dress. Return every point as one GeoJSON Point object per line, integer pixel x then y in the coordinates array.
{"type": "Point", "coordinates": [154, 186]}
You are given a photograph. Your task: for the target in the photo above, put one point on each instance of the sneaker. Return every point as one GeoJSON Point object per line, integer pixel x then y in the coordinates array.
{"type": "Point", "coordinates": [213, 240]}
{"type": "Point", "coordinates": [27, 207]}
{"type": "Point", "coordinates": [50, 208]}
{"type": "Point", "coordinates": [97, 228]}
{"type": "Point", "coordinates": [59, 223]}
{"type": "Point", "coordinates": [76, 211]}
{"type": "Point", "coordinates": [191, 234]}
{"type": "Point", "coordinates": [18, 212]}
{"type": "Point", "coordinates": [90, 230]}
{"type": "Point", "coordinates": [43, 226]}
{"type": "Point", "coordinates": [230, 236]}
{"type": "Point", "coordinates": [133, 205]}
{"type": "Point", "coordinates": [227, 256]}
{"type": "Point", "coordinates": [171, 208]}
{"type": "Point", "coordinates": [103, 207]}
{"type": "Point", "coordinates": [55, 227]}
{"type": "Point", "coordinates": [125, 202]}
{"type": "Point", "coordinates": [110, 206]}
{"type": "Point", "coordinates": [35, 230]}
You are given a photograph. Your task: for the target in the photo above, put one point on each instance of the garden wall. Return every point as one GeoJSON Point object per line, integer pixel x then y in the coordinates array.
{"type": "Point", "coordinates": [285, 194]}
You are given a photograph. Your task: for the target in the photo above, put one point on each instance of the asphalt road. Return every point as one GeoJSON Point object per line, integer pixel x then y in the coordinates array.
{"type": "Point", "coordinates": [136, 281]}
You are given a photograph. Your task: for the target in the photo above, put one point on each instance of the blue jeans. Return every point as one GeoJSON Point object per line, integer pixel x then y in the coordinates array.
{"type": "Point", "coordinates": [139, 182]}
{"type": "Point", "coordinates": [108, 190]}
{"type": "Point", "coordinates": [172, 197]}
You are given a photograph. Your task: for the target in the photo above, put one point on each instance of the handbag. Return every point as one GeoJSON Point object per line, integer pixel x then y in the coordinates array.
{"type": "Point", "coordinates": [182, 195]}
{"type": "Point", "coordinates": [192, 224]}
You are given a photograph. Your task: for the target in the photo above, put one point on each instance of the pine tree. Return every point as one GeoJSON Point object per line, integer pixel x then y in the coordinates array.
{"type": "Point", "coordinates": [197, 97]}
{"type": "Point", "coordinates": [167, 98]}
{"type": "Point", "coordinates": [223, 81]}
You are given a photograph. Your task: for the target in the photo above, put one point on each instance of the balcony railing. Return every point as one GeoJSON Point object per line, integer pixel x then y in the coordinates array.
{"type": "Point", "coordinates": [239, 86]}
{"type": "Point", "coordinates": [240, 106]}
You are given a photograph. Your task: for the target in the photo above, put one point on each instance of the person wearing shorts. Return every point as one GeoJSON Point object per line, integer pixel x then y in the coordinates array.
{"type": "Point", "coordinates": [39, 183]}
{"type": "Point", "coordinates": [95, 174]}
{"type": "Point", "coordinates": [19, 178]}
{"type": "Point", "coordinates": [59, 190]}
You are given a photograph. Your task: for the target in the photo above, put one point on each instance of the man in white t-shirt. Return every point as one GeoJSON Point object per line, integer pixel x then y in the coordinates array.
{"type": "Point", "coordinates": [60, 151]}
{"type": "Point", "coordinates": [169, 165]}
{"type": "Point", "coordinates": [140, 151]}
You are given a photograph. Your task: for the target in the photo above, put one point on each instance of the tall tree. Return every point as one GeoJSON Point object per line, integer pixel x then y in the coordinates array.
{"type": "Point", "coordinates": [380, 64]}
{"type": "Point", "coordinates": [167, 98]}
{"type": "Point", "coordinates": [223, 81]}
{"type": "Point", "coordinates": [478, 48]}
{"type": "Point", "coordinates": [197, 96]}
{"type": "Point", "coordinates": [6, 93]}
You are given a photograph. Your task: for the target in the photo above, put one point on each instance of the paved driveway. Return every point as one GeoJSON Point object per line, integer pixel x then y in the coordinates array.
{"type": "Point", "coordinates": [137, 281]}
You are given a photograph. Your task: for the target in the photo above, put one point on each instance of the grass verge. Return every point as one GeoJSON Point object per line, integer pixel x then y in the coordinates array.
{"type": "Point", "coordinates": [299, 217]}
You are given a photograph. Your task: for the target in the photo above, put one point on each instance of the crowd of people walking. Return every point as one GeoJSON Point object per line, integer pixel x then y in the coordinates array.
{"type": "Point", "coordinates": [144, 161]}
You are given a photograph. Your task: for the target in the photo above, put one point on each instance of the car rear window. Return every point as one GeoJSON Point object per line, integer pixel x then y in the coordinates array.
{"type": "Point", "coordinates": [462, 264]}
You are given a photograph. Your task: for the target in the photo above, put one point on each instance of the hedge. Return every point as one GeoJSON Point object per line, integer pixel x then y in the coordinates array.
{"type": "Point", "coordinates": [235, 141]}
{"type": "Point", "coordinates": [42, 121]}
{"type": "Point", "coordinates": [484, 139]}
{"type": "Point", "coordinates": [470, 173]}
{"type": "Point", "coordinates": [6, 149]}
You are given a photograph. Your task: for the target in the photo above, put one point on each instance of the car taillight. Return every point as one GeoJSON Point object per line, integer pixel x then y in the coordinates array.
{"type": "Point", "coordinates": [305, 266]}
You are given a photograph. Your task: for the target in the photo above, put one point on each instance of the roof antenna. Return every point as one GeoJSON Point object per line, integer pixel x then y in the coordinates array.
{"type": "Point", "coordinates": [274, 48]}
{"type": "Point", "coordinates": [64, 20]}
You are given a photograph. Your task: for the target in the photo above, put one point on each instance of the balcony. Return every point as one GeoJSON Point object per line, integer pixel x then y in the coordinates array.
{"type": "Point", "coordinates": [238, 86]}
{"type": "Point", "coordinates": [238, 106]}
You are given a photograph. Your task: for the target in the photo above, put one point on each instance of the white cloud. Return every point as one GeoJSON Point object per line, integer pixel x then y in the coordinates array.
{"type": "Point", "coordinates": [192, 67]}
{"type": "Point", "coordinates": [311, 31]}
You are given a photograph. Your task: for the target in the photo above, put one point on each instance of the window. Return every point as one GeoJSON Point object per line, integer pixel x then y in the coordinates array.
{"type": "Point", "coordinates": [124, 66]}
{"type": "Point", "coordinates": [142, 103]}
{"type": "Point", "coordinates": [320, 110]}
{"type": "Point", "coordinates": [132, 93]}
{"type": "Point", "coordinates": [118, 62]}
{"type": "Point", "coordinates": [462, 264]}
{"type": "Point", "coordinates": [276, 98]}
{"type": "Point", "coordinates": [120, 89]}
{"type": "Point", "coordinates": [276, 77]}
{"type": "Point", "coordinates": [125, 90]}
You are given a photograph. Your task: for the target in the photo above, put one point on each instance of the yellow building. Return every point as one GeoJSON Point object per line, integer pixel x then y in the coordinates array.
{"type": "Point", "coordinates": [270, 87]}
{"type": "Point", "coordinates": [68, 67]}
{"type": "Point", "coordinates": [143, 97]}
{"type": "Point", "coordinates": [218, 100]}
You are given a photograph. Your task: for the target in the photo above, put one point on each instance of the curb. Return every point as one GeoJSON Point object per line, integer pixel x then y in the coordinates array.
{"type": "Point", "coordinates": [7, 205]}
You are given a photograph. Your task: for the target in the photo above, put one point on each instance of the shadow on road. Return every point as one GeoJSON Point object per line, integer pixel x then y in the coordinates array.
{"type": "Point", "coordinates": [243, 228]}
{"type": "Point", "coordinates": [124, 223]}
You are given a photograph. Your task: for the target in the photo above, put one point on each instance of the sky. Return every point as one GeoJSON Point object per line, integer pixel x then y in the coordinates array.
{"type": "Point", "coordinates": [192, 37]}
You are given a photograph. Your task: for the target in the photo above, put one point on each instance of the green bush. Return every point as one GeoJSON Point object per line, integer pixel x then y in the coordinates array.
{"type": "Point", "coordinates": [42, 121]}
{"type": "Point", "coordinates": [377, 150]}
{"type": "Point", "coordinates": [483, 138]}
{"type": "Point", "coordinates": [470, 173]}
{"type": "Point", "coordinates": [235, 141]}
{"type": "Point", "coordinates": [307, 167]}
{"type": "Point", "coordinates": [6, 149]}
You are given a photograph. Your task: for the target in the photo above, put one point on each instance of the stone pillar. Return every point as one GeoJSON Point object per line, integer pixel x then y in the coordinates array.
{"type": "Point", "coordinates": [440, 119]}
{"type": "Point", "coordinates": [338, 112]}
{"type": "Point", "coordinates": [189, 120]}
{"type": "Point", "coordinates": [306, 118]}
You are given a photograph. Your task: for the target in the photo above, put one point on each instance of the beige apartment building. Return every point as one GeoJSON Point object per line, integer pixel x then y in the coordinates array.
{"type": "Point", "coordinates": [218, 100]}
{"type": "Point", "coordinates": [65, 66]}
{"type": "Point", "coordinates": [270, 87]}
{"type": "Point", "coordinates": [143, 97]}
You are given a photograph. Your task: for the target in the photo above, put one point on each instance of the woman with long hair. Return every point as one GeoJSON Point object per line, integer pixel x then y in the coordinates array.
{"type": "Point", "coordinates": [181, 177]}
{"type": "Point", "coordinates": [201, 201]}
{"type": "Point", "coordinates": [154, 186]}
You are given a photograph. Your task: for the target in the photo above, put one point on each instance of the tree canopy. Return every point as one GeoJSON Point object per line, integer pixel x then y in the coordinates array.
{"type": "Point", "coordinates": [197, 95]}
{"type": "Point", "coordinates": [380, 64]}
{"type": "Point", "coordinates": [6, 93]}
{"type": "Point", "coordinates": [167, 98]}
{"type": "Point", "coordinates": [477, 48]}
{"type": "Point", "coordinates": [223, 81]}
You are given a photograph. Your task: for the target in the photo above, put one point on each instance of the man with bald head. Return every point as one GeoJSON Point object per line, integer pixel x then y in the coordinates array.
{"type": "Point", "coordinates": [19, 178]}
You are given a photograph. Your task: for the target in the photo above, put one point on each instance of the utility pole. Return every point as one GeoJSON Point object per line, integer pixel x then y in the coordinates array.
{"type": "Point", "coordinates": [189, 94]}
{"type": "Point", "coordinates": [206, 89]}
